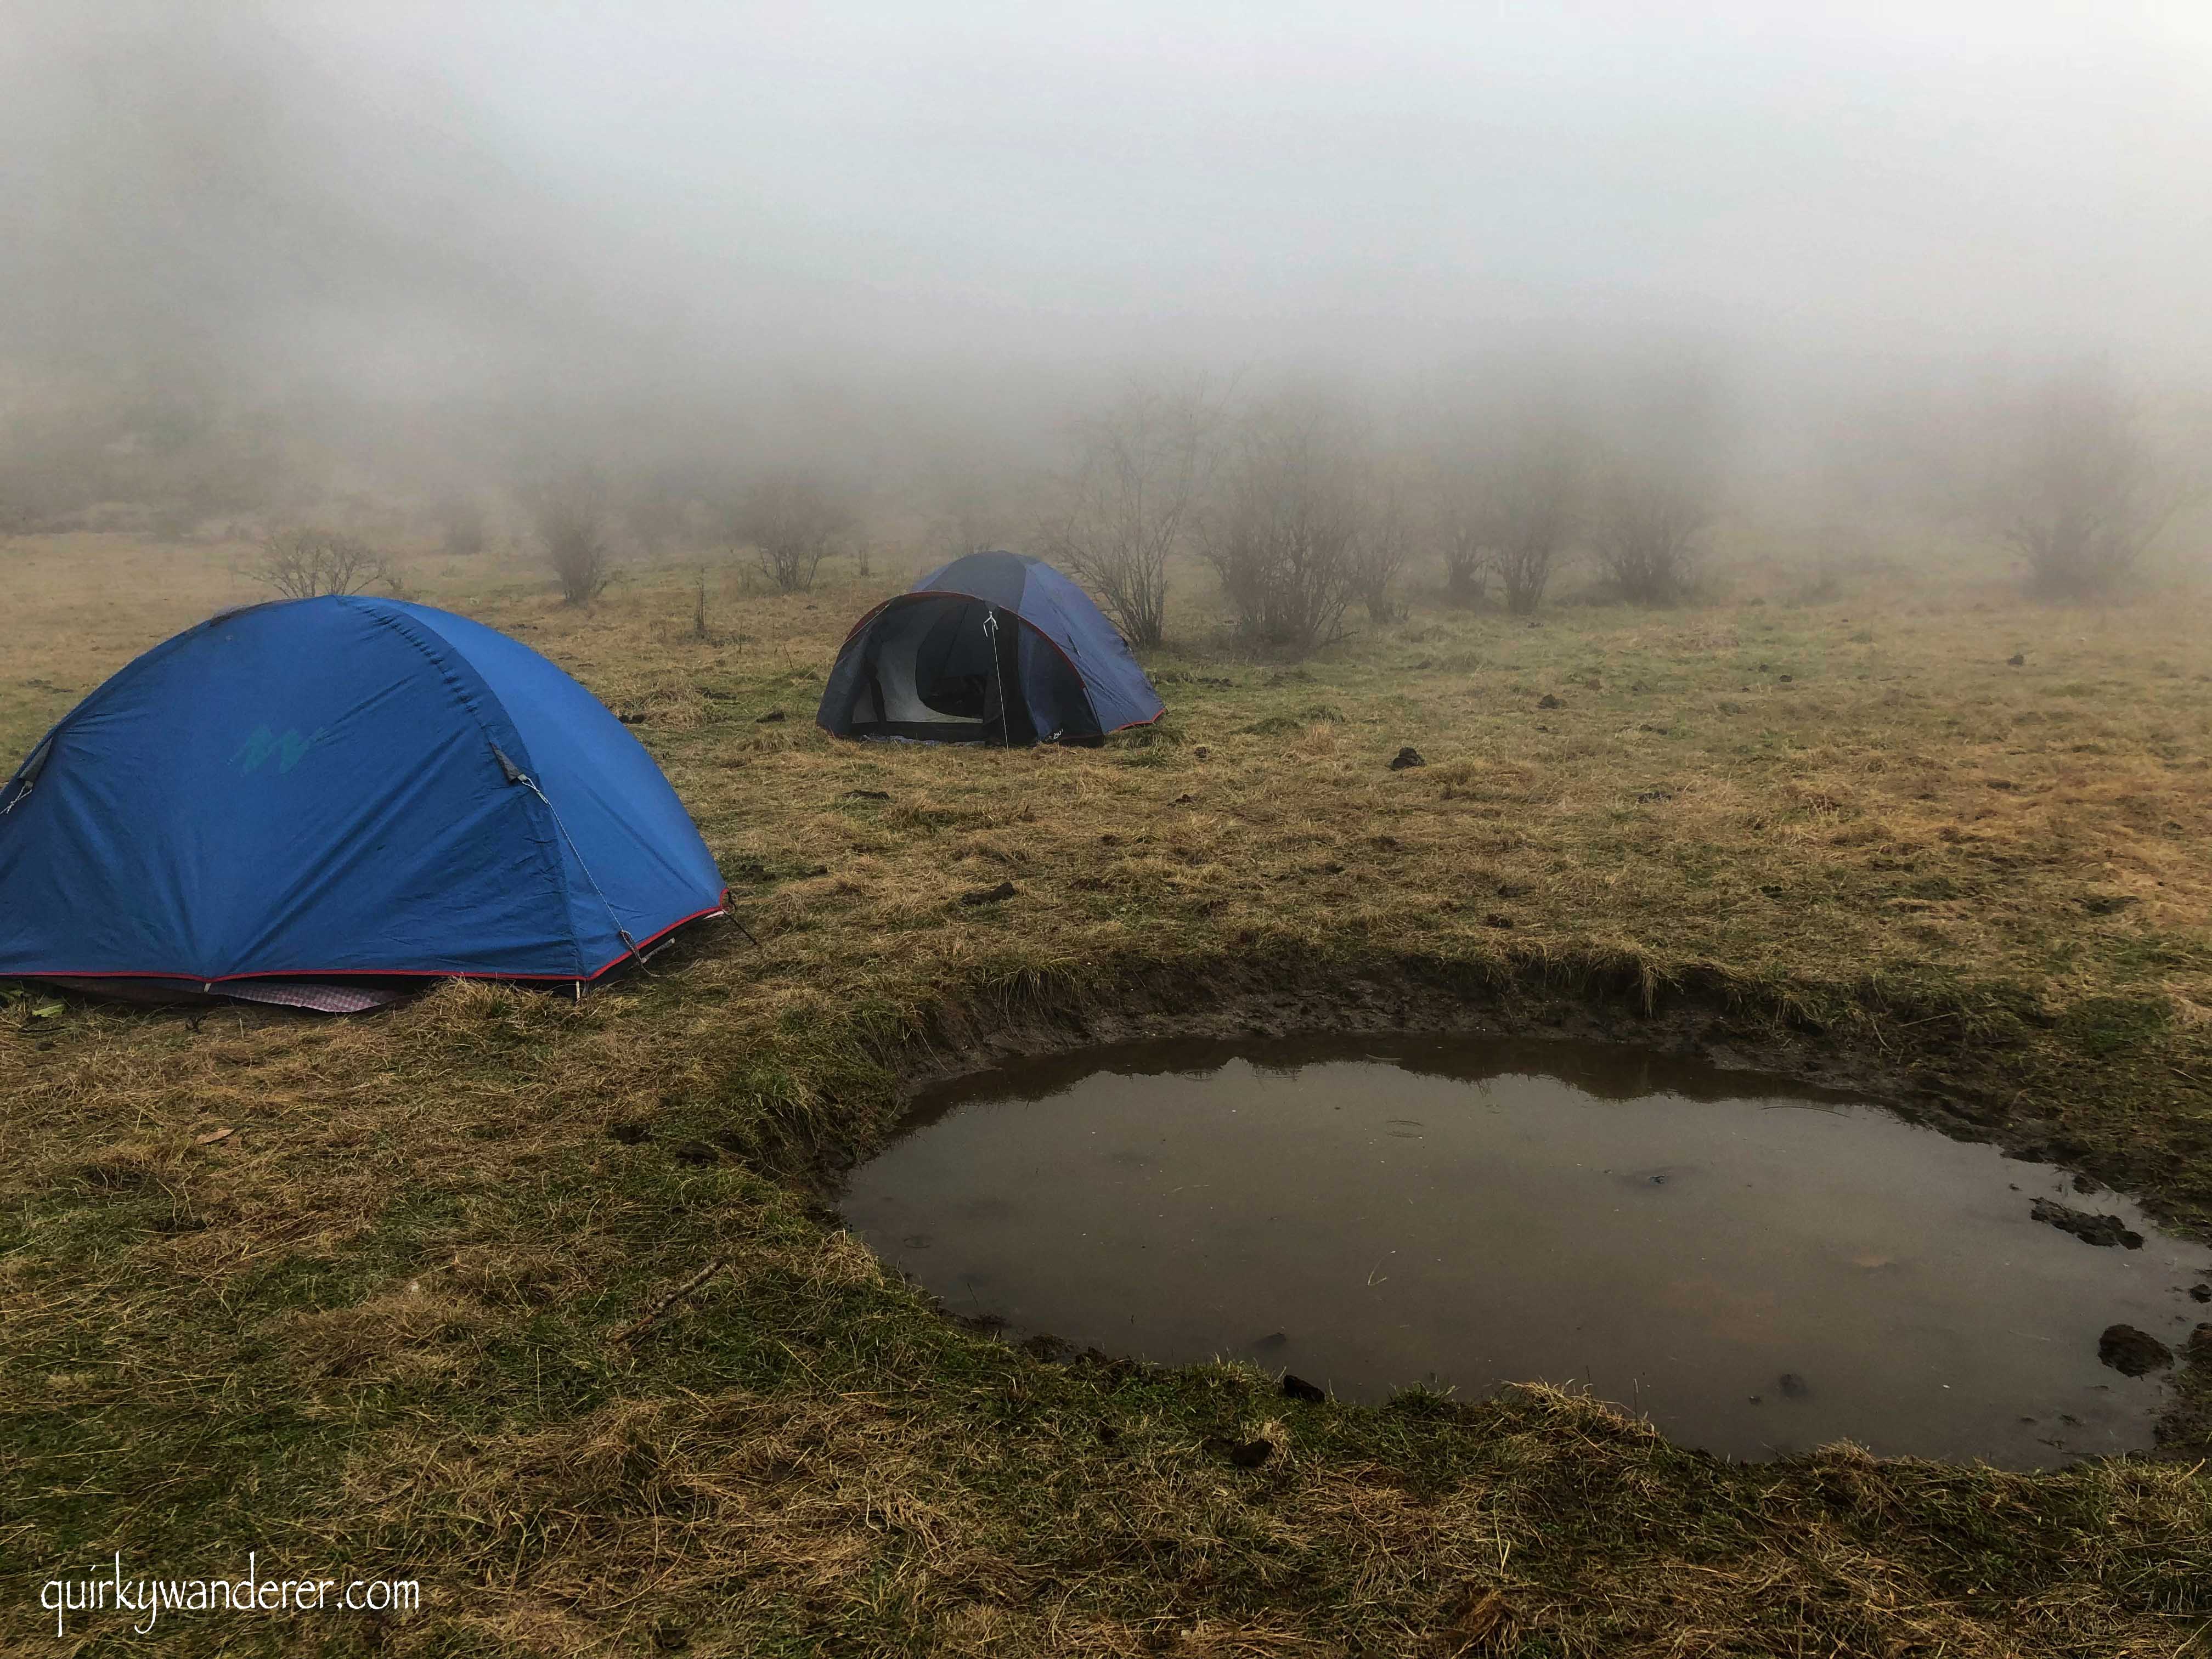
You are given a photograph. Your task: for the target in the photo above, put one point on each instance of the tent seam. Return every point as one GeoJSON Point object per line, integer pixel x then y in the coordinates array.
{"type": "Point", "coordinates": [462, 694]}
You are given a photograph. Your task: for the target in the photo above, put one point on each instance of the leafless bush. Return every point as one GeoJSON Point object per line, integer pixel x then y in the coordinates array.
{"type": "Point", "coordinates": [972, 510]}
{"type": "Point", "coordinates": [572, 524]}
{"type": "Point", "coordinates": [656, 508]}
{"type": "Point", "coordinates": [2075, 490]}
{"type": "Point", "coordinates": [791, 520]}
{"type": "Point", "coordinates": [1283, 530]}
{"type": "Point", "coordinates": [1527, 509]}
{"type": "Point", "coordinates": [461, 525]}
{"type": "Point", "coordinates": [306, 562]}
{"type": "Point", "coordinates": [1131, 502]}
{"type": "Point", "coordinates": [1645, 531]}
{"type": "Point", "coordinates": [1385, 547]}
{"type": "Point", "coordinates": [1460, 527]}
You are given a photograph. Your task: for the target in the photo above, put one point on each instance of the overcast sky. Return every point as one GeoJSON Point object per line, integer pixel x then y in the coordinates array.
{"type": "Point", "coordinates": [431, 194]}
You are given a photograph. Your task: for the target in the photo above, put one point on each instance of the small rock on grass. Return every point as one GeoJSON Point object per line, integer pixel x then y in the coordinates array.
{"type": "Point", "coordinates": [1405, 757]}
{"type": "Point", "coordinates": [1244, 1454]}
{"type": "Point", "coordinates": [770, 718]}
{"type": "Point", "coordinates": [1547, 701]}
{"type": "Point", "coordinates": [1004, 890]}
{"type": "Point", "coordinates": [2018, 659]}
{"type": "Point", "coordinates": [2131, 1352]}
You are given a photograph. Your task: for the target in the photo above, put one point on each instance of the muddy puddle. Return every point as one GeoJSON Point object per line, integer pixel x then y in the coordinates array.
{"type": "Point", "coordinates": [1757, 1267]}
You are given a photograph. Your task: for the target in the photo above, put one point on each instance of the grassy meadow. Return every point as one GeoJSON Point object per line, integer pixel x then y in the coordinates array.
{"type": "Point", "coordinates": [389, 1323]}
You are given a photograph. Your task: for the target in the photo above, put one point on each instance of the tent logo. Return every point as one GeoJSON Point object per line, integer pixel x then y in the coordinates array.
{"type": "Point", "coordinates": [263, 746]}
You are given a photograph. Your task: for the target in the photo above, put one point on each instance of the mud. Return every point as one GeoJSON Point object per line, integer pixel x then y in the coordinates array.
{"type": "Point", "coordinates": [2132, 1352]}
{"type": "Point", "coordinates": [2090, 1228]}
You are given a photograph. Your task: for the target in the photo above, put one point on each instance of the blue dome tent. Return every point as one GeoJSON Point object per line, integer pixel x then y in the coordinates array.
{"type": "Point", "coordinates": [347, 789]}
{"type": "Point", "coordinates": [995, 648]}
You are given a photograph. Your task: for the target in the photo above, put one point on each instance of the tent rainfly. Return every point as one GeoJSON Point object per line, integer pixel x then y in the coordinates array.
{"type": "Point", "coordinates": [319, 801]}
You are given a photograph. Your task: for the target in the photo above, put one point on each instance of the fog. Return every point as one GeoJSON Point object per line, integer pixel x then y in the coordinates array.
{"type": "Point", "coordinates": [410, 248]}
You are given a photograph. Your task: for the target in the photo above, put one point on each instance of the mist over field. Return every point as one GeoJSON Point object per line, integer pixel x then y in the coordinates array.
{"type": "Point", "coordinates": [1662, 557]}
{"type": "Point", "coordinates": [1844, 269]}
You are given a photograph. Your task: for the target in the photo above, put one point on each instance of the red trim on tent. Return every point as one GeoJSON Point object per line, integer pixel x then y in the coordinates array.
{"type": "Point", "coordinates": [378, 973]}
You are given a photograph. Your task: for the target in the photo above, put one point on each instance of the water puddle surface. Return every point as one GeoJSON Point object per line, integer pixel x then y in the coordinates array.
{"type": "Point", "coordinates": [1758, 1267]}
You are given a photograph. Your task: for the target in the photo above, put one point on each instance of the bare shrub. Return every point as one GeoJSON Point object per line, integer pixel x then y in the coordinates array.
{"type": "Point", "coordinates": [461, 527]}
{"type": "Point", "coordinates": [1645, 531]}
{"type": "Point", "coordinates": [1283, 532]}
{"type": "Point", "coordinates": [572, 524]}
{"type": "Point", "coordinates": [1384, 549]}
{"type": "Point", "coordinates": [1459, 528]}
{"type": "Point", "coordinates": [1528, 509]}
{"type": "Point", "coordinates": [656, 509]}
{"type": "Point", "coordinates": [1133, 500]}
{"type": "Point", "coordinates": [792, 520]}
{"type": "Point", "coordinates": [971, 508]}
{"type": "Point", "coordinates": [304, 563]}
{"type": "Point", "coordinates": [2075, 490]}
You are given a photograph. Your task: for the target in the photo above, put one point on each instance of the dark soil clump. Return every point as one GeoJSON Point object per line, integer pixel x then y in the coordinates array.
{"type": "Point", "coordinates": [2089, 1228]}
{"type": "Point", "coordinates": [2132, 1352]}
